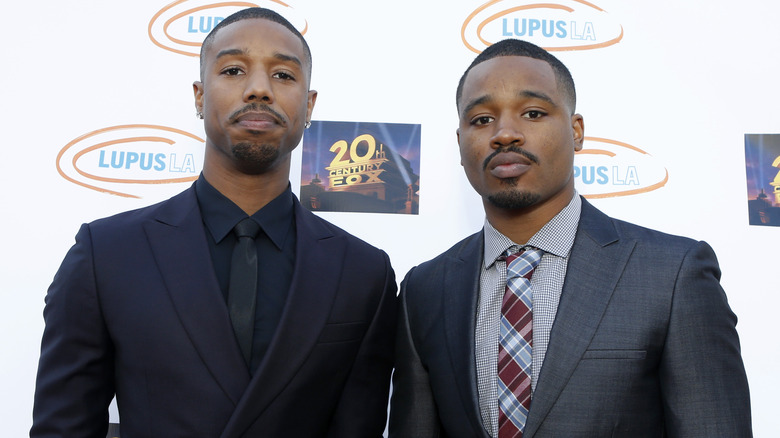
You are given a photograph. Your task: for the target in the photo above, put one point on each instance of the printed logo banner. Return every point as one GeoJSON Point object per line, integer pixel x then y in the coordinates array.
{"type": "Point", "coordinates": [762, 163]}
{"type": "Point", "coordinates": [557, 25]}
{"type": "Point", "coordinates": [361, 167]}
{"type": "Point", "coordinates": [131, 160]}
{"type": "Point", "coordinates": [181, 26]}
{"type": "Point", "coordinates": [607, 168]}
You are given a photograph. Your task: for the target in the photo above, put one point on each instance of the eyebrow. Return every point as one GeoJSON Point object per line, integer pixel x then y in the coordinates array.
{"type": "Point", "coordinates": [277, 55]}
{"type": "Point", "coordinates": [528, 94]}
{"type": "Point", "coordinates": [478, 101]}
{"type": "Point", "coordinates": [288, 58]}
{"type": "Point", "coordinates": [230, 52]}
{"type": "Point", "coordinates": [536, 95]}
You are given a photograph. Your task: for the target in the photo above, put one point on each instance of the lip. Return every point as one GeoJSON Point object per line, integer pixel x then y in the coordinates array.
{"type": "Point", "coordinates": [508, 165]}
{"type": "Point", "coordinates": [257, 120]}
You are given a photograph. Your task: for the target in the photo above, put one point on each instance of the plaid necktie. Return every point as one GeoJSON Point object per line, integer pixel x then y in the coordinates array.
{"type": "Point", "coordinates": [514, 350]}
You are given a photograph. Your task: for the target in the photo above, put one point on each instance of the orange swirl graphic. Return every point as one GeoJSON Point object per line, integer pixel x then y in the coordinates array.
{"type": "Point", "coordinates": [119, 141]}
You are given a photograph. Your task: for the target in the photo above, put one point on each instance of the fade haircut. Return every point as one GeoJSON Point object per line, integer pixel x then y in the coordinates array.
{"type": "Point", "coordinates": [514, 47]}
{"type": "Point", "coordinates": [245, 14]}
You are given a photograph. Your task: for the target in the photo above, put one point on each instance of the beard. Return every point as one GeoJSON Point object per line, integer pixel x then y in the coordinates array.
{"type": "Point", "coordinates": [255, 158]}
{"type": "Point", "coordinates": [513, 199]}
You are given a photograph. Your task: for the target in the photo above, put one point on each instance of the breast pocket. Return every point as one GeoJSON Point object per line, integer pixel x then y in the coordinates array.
{"type": "Point", "coordinates": [615, 354]}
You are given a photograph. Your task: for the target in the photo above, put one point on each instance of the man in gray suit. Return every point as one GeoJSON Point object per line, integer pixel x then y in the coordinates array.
{"type": "Point", "coordinates": [626, 332]}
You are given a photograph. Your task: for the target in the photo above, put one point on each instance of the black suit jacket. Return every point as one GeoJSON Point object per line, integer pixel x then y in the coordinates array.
{"type": "Point", "coordinates": [643, 344]}
{"type": "Point", "coordinates": [135, 310]}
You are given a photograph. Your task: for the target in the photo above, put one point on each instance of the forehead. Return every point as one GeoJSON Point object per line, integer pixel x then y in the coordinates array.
{"type": "Point", "coordinates": [512, 74]}
{"type": "Point", "coordinates": [256, 36]}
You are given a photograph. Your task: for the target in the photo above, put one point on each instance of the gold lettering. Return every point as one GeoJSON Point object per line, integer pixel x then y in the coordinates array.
{"type": "Point", "coordinates": [373, 176]}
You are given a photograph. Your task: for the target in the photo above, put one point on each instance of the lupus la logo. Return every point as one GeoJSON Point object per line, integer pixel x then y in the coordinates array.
{"type": "Point", "coordinates": [613, 168]}
{"type": "Point", "coordinates": [181, 26]}
{"type": "Point", "coordinates": [127, 160]}
{"type": "Point", "coordinates": [559, 25]}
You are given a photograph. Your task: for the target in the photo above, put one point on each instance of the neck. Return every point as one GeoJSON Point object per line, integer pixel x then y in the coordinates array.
{"type": "Point", "coordinates": [248, 192]}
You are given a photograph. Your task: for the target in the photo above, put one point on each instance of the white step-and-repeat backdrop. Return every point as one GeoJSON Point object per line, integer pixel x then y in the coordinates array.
{"type": "Point", "coordinates": [679, 97]}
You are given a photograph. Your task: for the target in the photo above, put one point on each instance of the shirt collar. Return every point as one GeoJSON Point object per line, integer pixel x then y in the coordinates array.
{"type": "Point", "coordinates": [220, 214]}
{"type": "Point", "coordinates": [555, 237]}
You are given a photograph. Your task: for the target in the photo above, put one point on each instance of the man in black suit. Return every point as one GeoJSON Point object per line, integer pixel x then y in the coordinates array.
{"type": "Point", "coordinates": [140, 306]}
{"type": "Point", "coordinates": [625, 332]}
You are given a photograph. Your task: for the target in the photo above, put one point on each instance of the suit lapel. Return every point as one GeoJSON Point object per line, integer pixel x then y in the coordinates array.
{"type": "Point", "coordinates": [596, 263]}
{"type": "Point", "coordinates": [460, 294]}
{"type": "Point", "coordinates": [318, 258]}
{"type": "Point", "coordinates": [179, 246]}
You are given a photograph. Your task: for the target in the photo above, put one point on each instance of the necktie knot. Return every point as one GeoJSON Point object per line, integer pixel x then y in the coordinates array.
{"type": "Point", "coordinates": [523, 262]}
{"type": "Point", "coordinates": [247, 227]}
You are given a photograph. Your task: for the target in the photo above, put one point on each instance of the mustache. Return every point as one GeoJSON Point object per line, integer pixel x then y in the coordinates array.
{"type": "Point", "coordinates": [511, 148]}
{"type": "Point", "coordinates": [256, 107]}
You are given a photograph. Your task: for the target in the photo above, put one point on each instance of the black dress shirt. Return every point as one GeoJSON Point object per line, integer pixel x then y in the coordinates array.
{"type": "Point", "coordinates": [275, 254]}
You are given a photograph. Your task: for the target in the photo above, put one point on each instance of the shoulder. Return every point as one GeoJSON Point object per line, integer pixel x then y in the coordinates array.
{"type": "Point", "coordinates": [128, 229]}
{"type": "Point", "coordinates": [649, 236]}
{"type": "Point", "coordinates": [605, 230]}
{"type": "Point", "coordinates": [311, 226]}
{"type": "Point", "coordinates": [467, 251]}
{"type": "Point", "coordinates": [648, 245]}
{"type": "Point", "coordinates": [172, 209]}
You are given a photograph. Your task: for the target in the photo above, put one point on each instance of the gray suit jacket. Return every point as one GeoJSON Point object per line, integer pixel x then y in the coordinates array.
{"type": "Point", "coordinates": [643, 345]}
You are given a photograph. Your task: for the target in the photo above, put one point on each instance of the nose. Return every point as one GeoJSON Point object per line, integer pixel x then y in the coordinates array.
{"type": "Point", "coordinates": [507, 133]}
{"type": "Point", "coordinates": [258, 88]}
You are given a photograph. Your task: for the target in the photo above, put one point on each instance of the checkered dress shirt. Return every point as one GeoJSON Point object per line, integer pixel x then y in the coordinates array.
{"type": "Point", "coordinates": [555, 239]}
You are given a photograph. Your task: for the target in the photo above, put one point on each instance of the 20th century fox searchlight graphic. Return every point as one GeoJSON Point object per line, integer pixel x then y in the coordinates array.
{"type": "Point", "coordinates": [361, 167]}
{"type": "Point", "coordinates": [762, 164]}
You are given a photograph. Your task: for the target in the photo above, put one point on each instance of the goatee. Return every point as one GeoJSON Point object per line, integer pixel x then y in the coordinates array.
{"type": "Point", "coordinates": [255, 158]}
{"type": "Point", "coordinates": [513, 200]}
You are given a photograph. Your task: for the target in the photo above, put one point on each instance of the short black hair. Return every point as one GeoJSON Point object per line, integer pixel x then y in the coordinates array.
{"type": "Point", "coordinates": [244, 14]}
{"type": "Point", "coordinates": [515, 47]}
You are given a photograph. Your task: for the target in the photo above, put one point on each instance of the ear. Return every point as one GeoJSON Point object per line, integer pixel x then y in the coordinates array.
{"type": "Point", "coordinates": [310, 101]}
{"type": "Point", "coordinates": [197, 89]}
{"type": "Point", "coordinates": [460, 147]}
{"type": "Point", "coordinates": [578, 129]}
{"type": "Point", "coordinates": [457, 136]}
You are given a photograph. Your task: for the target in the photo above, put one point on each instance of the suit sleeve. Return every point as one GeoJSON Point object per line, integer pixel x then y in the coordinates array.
{"type": "Point", "coordinates": [703, 382]}
{"type": "Point", "coordinates": [362, 409]}
{"type": "Point", "coordinates": [412, 409]}
{"type": "Point", "coordinates": [75, 373]}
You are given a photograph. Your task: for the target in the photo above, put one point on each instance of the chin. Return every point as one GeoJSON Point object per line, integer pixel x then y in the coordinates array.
{"type": "Point", "coordinates": [513, 200]}
{"type": "Point", "coordinates": [255, 158]}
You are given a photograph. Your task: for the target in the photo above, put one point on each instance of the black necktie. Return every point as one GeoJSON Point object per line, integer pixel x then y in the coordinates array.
{"type": "Point", "coordinates": [242, 290]}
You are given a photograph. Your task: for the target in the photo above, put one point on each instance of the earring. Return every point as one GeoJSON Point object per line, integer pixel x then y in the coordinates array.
{"type": "Point", "coordinates": [307, 125]}
{"type": "Point", "coordinates": [199, 115]}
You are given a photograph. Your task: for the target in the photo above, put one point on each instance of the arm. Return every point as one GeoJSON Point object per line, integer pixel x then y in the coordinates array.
{"type": "Point", "coordinates": [703, 382]}
{"type": "Point", "coordinates": [75, 373]}
{"type": "Point", "coordinates": [412, 410]}
{"type": "Point", "coordinates": [362, 409]}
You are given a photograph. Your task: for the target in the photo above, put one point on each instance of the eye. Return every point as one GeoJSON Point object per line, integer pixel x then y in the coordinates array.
{"type": "Point", "coordinates": [283, 75]}
{"type": "Point", "coordinates": [232, 71]}
{"type": "Point", "coordinates": [534, 114]}
{"type": "Point", "coordinates": [481, 120]}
